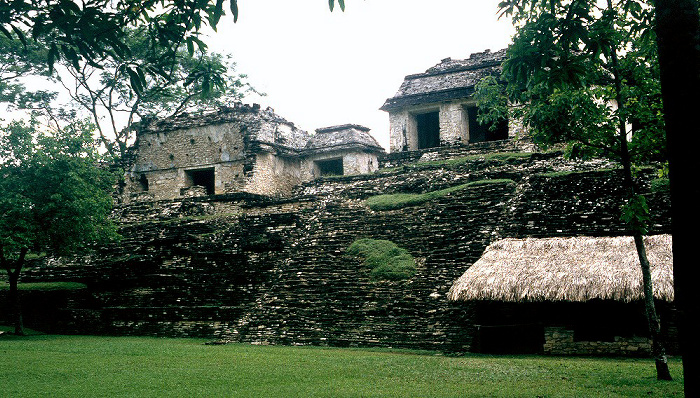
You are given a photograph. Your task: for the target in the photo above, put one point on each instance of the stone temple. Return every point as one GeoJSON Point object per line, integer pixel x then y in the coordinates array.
{"type": "Point", "coordinates": [248, 149]}
{"type": "Point", "coordinates": [241, 149]}
{"type": "Point", "coordinates": [435, 108]}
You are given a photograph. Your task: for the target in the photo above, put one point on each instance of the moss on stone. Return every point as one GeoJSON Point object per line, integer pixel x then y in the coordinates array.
{"type": "Point", "coordinates": [386, 260]}
{"type": "Point", "coordinates": [45, 286]}
{"type": "Point", "coordinates": [401, 200]}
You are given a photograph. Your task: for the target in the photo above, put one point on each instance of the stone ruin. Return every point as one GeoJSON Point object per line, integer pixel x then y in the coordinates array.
{"type": "Point", "coordinates": [241, 149]}
{"type": "Point", "coordinates": [244, 237]}
{"type": "Point", "coordinates": [435, 108]}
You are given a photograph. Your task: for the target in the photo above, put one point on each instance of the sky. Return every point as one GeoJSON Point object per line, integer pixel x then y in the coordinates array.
{"type": "Point", "coordinates": [320, 68]}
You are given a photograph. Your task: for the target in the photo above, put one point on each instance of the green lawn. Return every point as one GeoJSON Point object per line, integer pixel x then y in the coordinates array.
{"type": "Point", "coordinates": [87, 366]}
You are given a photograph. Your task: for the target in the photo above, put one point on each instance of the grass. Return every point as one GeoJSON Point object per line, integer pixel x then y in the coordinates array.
{"type": "Point", "coordinates": [401, 200]}
{"type": "Point", "coordinates": [85, 366]}
{"type": "Point", "coordinates": [387, 261]}
{"type": "Point", "coordinates": [45, 286]}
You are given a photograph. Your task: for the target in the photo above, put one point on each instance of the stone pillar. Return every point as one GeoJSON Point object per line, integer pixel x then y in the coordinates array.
{"type": "Point", "coordinates": [454, 124]}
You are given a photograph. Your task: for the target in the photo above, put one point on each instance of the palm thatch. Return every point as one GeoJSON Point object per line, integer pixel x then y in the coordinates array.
{"type": "Point", "coordinates": [566, 269]}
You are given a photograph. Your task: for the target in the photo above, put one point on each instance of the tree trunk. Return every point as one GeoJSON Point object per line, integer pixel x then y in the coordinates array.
{"type": "Point", "coordinates": [13, 268]}
{"type": "Point", "coordinates": [15, 301]}
{"type": "Point", "coordinates": [658, 346]}
{"type": "Point", "coordinates": [678, 39]}
{"type": "Point", "coordinates": [658, 349]}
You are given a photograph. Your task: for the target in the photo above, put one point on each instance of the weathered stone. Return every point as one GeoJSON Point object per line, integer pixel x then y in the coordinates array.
{"type": "Point", "coordinates": [239, 149]}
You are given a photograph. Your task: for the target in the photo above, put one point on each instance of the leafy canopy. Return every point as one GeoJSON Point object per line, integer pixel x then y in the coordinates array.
{"type": "Point", "coordinates": [119, 59]}
{"type": "Point", "coordinates": [577, 69]}
{"type": "Point", "coordinates": [54, 194]}
{"type": "Point", "coordinates": [110, 96]}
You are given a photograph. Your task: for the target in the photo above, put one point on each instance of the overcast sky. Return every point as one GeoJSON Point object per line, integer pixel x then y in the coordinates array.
{"type": "Point", "coordinates": [321, 69]}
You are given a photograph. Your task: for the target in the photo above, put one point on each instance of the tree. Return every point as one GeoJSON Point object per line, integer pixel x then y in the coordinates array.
{"type": "Point", "coordinates": [586, 73]}
{"type": "Point", "coordinates": [109, 97]}
{"type": "Point", "coordinates": [17, 61]}
{"type": "Point", "coordinates": [123, 55]}
{"type": "Point", "coordinates": [55, 197]}
{"type": "Point", "coordinates": [93, 30]}
{"type": "Point", "coordinates": [678, 35]}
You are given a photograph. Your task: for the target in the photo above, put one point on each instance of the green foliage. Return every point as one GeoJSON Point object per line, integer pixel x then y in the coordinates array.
{"type": "Point", "coordinates": [401, 200]}
{"type": "Point", "coordinates": [635, 213]}
{"type": "Point", "coordinates": [147, 82]}
{"type": "Point", "coordinates": [491, 101]}
{"type": "Point", "coordinates": [341, 4]}
{"type": "Point", "coordinates": [95, 31]}
{"type": "Point", "coordinates": [90, 366]}
{"type": "Point", "coordinates": [575, 72]}
{"type": "Point", "coordinates": [54, 194]}
{"type": "Point", "coordinates": [500, 157]}
{"type": "Point", "coordinates": [556, 174]}
{"type": "Point", "coordinates": [660, 185]}
{"type": "Point", "coordinates": [386, 260]}
{"type": "Point", "coordinates": [45, 286]}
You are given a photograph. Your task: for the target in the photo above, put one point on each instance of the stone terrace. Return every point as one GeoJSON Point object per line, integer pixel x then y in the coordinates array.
{"type": "Point", "coordinates": [248, 268]}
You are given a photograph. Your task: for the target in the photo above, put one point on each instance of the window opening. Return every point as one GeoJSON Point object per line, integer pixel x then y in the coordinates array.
{"type": "Point", "coordinates": [143, 183]}
{"type": "Point", "coordinates": [428, 127]}
{"type": "Point", "coordinates": [202, 177]}
{"type": "Point", "coordinates": [331, 167]}
{"type": "Point", "coordinates": [481, 132]}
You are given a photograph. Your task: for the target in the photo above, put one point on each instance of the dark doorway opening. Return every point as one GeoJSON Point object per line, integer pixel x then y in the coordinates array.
{"type": "Point", "coordinates": [143, 183]}
{"type": "Point", "coordinates": [428, 128]}
{"type": "Point", "coordinates": [331, 167]}
{"type": "Point", "coordinates": [481, 132]}
{"type": "Point", "coordinates": [509, 339]}
{"type": "Point", "coordinates": [202, 177]}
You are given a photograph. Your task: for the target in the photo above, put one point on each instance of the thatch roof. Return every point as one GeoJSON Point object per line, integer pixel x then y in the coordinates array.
{"type": "Point", "coordinates": [566, 269]}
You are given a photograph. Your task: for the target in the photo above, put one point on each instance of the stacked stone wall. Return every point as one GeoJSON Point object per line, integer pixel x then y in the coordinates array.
{"type": "Point", "coordinates": [560, 341]}
{"type": "Point", "coordinates": [255, 269]}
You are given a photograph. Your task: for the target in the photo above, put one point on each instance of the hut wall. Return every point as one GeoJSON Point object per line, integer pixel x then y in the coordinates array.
{"type": "Point", "coordinates": [560, 341]}
{"type": "Point", "coordinates": [275, 271]}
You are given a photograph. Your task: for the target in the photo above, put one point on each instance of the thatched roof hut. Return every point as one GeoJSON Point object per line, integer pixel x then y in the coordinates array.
{"type": "Point", "coordinates": [566, 269]}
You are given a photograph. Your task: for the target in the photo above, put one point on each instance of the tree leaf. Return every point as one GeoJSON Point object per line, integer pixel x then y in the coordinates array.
{"type": "Point", "coordinates": [6, 32]}
{"type": "Point", "coordinates": [216, 14]}
{"type": "Point", "coordinates": [234, 10]}
{"type": "Point", "coordinates": [135, 80]}
{"type": "Point", "coordinates": [53, 56]}
{"type": "Point", "coordinates": [190, 46]}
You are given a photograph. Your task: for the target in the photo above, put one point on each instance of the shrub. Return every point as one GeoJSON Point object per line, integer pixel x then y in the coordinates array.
{"type": "Point", "coordinates": [386, 260]}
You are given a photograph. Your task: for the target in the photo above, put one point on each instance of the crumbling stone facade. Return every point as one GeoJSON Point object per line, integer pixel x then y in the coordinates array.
{"type": "Point", "coordinates": [240, 149]}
